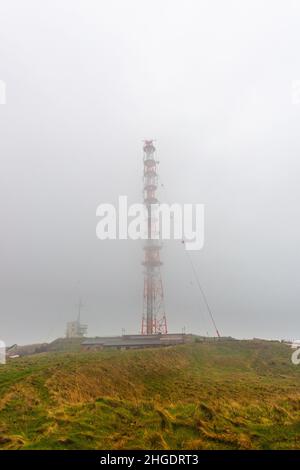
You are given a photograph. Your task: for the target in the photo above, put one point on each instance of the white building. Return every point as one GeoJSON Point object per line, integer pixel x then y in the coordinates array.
{"type": "Point", "coordinates": [75, 329]}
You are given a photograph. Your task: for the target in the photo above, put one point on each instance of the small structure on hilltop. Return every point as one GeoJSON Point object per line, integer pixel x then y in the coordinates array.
{"type": "Point", "coordinates": [135, 341]}
{"type": "Point", "coordinates": [75, 329]}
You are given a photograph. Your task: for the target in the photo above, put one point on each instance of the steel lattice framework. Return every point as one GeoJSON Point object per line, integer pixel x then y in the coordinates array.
{"type": "Point", "coordinates": [154, 318]}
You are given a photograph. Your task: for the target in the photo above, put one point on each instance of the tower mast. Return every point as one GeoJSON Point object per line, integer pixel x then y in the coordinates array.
{"type": "Point", "coordinates": [154, 318]}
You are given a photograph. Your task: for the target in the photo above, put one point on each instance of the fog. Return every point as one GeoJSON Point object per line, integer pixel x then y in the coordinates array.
{"type": "Point", "coordinates": [212, 82]}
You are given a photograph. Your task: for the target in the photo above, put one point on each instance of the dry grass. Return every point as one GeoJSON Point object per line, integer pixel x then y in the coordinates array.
{"type": "Point", "coordinates": [229, 395]}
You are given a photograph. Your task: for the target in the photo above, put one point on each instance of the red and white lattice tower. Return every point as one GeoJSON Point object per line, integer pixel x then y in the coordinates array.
{"type": "Point", "coordinates": [154, 318]}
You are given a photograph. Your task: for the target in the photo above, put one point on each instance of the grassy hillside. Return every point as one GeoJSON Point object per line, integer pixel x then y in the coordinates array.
{"type": "Point", "coordinates": [231, 395]}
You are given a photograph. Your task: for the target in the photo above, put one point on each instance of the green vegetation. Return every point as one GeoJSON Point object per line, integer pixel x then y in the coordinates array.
{"type": "Point", "coordinates": [218, 395]}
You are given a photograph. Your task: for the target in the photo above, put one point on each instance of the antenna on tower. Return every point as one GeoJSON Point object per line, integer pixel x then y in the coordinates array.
{"type": "Point", "coordinates": [80, 305]}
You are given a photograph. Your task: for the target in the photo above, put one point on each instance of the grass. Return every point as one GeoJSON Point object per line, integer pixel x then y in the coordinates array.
{"type": "Point", "coordinates": [226, 395]}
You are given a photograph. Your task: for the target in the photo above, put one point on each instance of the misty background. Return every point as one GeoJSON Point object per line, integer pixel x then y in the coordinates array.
{"type": "Point", "coordinates": [212, 83]}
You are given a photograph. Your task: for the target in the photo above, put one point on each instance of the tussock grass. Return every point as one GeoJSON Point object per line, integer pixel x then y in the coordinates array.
{"type": "Point", "coordinates": [229, 395]}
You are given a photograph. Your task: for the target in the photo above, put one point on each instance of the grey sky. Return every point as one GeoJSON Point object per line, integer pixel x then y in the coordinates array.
{"type": "Point", "coordinates": [211, 81]}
